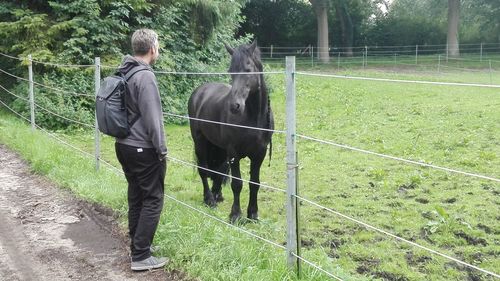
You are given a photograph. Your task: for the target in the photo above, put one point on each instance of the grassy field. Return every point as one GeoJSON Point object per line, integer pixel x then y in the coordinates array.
{"type": "Point", "coordinates": [450, 126]}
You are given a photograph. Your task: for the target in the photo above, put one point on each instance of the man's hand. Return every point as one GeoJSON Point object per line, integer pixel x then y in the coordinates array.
{"type": "Point", "coordinates": [162, 157]}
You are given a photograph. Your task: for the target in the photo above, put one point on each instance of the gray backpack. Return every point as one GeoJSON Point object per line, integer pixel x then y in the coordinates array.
{"type": "Point", "coordinates": [111, 104]}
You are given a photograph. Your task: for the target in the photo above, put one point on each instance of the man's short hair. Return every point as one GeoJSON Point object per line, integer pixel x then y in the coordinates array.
{"type": "Point", "coordinates": [143, 40]}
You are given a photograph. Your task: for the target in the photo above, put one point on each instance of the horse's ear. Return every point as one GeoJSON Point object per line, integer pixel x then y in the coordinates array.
{"type": "Point", "coordinates": [229, 49]}
{"type": "Point", "coordinates": [253, 46]}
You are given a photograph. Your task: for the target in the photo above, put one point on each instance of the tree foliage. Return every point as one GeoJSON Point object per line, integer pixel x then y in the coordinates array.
{"type": "Point", "coordinates": [283, 22]}
{"type": "Point", "coordinates": [407, 22]}
{"type": "Point", "coordinates": [192, 33]}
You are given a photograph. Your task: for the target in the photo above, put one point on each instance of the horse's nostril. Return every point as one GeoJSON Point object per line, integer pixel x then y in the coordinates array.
{"type": "Point", "coordinates": [236, 108]}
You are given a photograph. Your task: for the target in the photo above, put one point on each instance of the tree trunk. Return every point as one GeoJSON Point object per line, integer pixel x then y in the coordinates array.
{"type": "Point", "coordinates": [345, 26]}
{"type": "Point", "coordinates": [321, 10]}
{"type": "Point", "coordinates": [453, 22]}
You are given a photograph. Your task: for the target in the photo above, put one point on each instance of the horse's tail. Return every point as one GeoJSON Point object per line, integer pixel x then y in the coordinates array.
{"type": "Point", "coordinates": [270, 151]}
{"type": "Point", "coordinates": [218, 163]}
{"type": "Point", "coordinates": [270, 125]}
{"type": "Point", "coordinates": [221, 170]}
{"type": "Point", "coordinates": [195, 158]}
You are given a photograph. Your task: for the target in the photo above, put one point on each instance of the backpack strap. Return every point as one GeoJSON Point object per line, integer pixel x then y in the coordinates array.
{"type": "Point", "coordinates": [134, 70]}
{"type": "Point", "coordinates": [127, 77]}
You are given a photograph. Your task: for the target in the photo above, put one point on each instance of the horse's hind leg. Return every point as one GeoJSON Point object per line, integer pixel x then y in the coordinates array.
{"type": "Point", "coordinates": [253, 209]}
{"type": "Point", "coordinates": [220, 164]}
{"type": "Point", "coordinates": [217, 189]}
{"type": "Point", "coordinates": [218, 181]}
{"type": "Point", "coordinates": [201, 150]}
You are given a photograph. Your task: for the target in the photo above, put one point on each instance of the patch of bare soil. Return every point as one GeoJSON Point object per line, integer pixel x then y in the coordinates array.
{"type": "Point", "coordinates": [48, 234]}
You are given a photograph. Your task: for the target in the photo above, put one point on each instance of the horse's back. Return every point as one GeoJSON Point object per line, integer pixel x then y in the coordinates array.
{"type": "Point", "coordinates": [208, 103]}
{"type": "Point", "coordinates": [206, 98]}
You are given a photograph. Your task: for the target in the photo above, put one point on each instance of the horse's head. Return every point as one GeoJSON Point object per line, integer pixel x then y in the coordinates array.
{"type": "Point", "coordinates": [244, 59]}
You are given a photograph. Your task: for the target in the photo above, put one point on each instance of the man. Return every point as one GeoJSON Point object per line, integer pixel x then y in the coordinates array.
{"type": "Point", "coordinates": [142, 154]}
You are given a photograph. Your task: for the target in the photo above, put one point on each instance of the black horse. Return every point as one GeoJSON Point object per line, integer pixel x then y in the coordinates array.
{"type": "Point", "coordinates": [220, 147]}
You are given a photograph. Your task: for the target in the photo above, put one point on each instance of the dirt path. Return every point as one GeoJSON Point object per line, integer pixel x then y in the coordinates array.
{"type": "Point", "coordinates": [47, 234]}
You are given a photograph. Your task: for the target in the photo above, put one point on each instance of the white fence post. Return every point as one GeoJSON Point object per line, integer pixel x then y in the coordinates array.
{"type": "Point", "coordinates": [311, 48]}
{"type": "Point", "coordinates": [439, 63]}
{"type": "Point", "coordinates": [97, 85]}
{"type": "Point", "coordinates": [338, 61]}
{"type": "Point", "coordinates": [491, 70]}
{"type": "Point", "coordinates": [32, 92]}
{"type": "Point", "coordinates": [291, 199]}
{"type": "Point", "coordinates": [299, 239]}
{"type": "Point", "coordinates": [481, 53]}
{"type": "Point", "coordinates": [447, 52]}
{"type": "Point", "coordinates": [366, 56]}
{"type": "Point", "coordinates": [416, 54]}
{"type": "Point", "coordinates": [271, 51]}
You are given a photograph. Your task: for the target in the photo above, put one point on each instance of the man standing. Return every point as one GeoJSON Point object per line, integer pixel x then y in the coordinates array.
{"type": "Point", "coordinates": [142, 154]}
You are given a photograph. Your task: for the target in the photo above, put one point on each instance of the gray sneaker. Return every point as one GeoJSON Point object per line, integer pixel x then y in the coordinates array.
{"type": "Point", "coordinates": [149, 263]}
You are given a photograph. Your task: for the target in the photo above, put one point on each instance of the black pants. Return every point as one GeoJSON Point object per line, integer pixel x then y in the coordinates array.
{"type": "Point", "coordinates": [145, 176]}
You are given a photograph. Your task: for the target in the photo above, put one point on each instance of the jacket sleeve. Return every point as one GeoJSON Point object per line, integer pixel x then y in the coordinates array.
{"type": "Point", "coordinates": [151, 112]}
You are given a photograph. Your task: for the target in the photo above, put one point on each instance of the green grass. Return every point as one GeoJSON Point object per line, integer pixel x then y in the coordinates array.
{"type": "Point", "coordinates": [447, 126]}
{"type": "Point", "coordinates": [455, 127]}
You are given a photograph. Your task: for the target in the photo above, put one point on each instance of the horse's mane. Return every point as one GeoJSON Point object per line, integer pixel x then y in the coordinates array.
{"type": "Point", "coordinates": [238, 58]}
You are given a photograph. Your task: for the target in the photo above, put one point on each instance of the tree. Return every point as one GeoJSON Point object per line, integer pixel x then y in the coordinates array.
{"type": "Point", "coordinates": [290, 22]}
{"type": "Point", "coordinates": [409, 22]}
{"type": "Point", "coordinates": [346, 26]}
{"type": "Point", "coordinates": [491, 13]}
{"type": "Point", "coordinates": [480, 21]}
{"type": "Point", "coordinates": [321, 9]}
{"type": "Point", "coordinates": [67, 30]}
{"type": "Point", "coordinates": [453, 23]}
{"type": "Point", "coordinates": [282, 23]}
{"type": "Point", "coordinates": [191, 34]}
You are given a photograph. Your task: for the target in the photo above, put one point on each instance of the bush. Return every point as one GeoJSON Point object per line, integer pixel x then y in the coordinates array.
{"type": "Point", "coordinates": [192, 34]}
{"type": "Point", "coordinates": [69, 105]}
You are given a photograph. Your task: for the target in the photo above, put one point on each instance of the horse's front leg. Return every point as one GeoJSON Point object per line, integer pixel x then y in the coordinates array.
{"type": "Point", "coordinates": [253, 209]}
{"type": "Point", "coordinates": [236, 185]}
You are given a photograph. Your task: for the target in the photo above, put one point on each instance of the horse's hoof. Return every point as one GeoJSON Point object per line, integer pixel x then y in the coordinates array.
{"type": "Point", "coordinates": [234, 218]}
{"type": "Point", "coordinates": [210, 203]}
{"type": "Point", "coordinates": [253, 217]}
{"type": "Point", "coordinates": [219, 198]}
